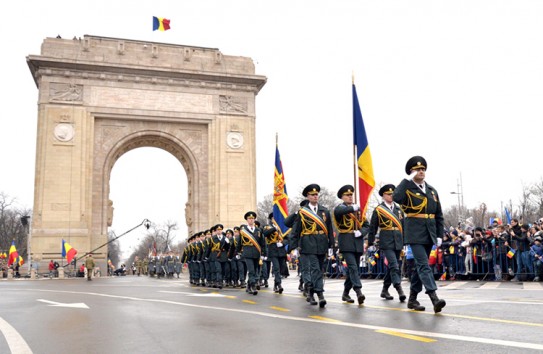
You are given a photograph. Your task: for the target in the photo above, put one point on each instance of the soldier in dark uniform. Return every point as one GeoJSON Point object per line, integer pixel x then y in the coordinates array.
{"type": "Point", "coordinates": [387, 218]}
{"type": "Point", "coordinates": [214, 252]}
{"type": "Point", "coordinates": [253, 248]}
{"type": "Point", "coordinates": [314, 238]}
{"type": "Point", "coordinates": [423, 227]}
{"type": "Point", "coordinates": [237, 260]}
{"type": "Point", "coordinates": [290, 222]}
{"type": "Point", "coordinates": [206, 244]}
{"type": "Point", "coordinates": [276, 254]}
{"type": "Point", "coordinates": [352, 228]}
{"type": "Point", "coordinates": [231, 269]}
{"type": "Point", "coordinates": [222, 257]}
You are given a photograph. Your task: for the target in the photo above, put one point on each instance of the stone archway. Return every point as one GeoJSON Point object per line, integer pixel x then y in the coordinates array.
{"type": "Point", "coordinates": [100, 97]}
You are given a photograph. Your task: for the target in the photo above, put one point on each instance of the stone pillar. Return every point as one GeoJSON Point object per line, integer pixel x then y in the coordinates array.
{"type": "Point", "coordinates": [10, 273]}
{"type": "Point", "coordinates": [32, 273]}
{"type": "Point", "coordinates": [61, 272]}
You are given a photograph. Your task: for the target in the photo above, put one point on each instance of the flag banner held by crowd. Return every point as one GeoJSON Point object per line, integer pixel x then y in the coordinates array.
{"type": "Point", "coordinates": [376, 255]}
{"type": "Point", "coordinates": [364, 164]}
{"type": "Point", "coordinates": [14, 257]}
{"type": "Point", "coordinates": [443, 276]}
{"type": "Point", "coordinates": [511, 253]}
{"type": "Point", "coordinates": [432, 259]}
{"type": "Point", "coordinates": [160, 24]}
{"type": "Point", "coordinates": [68, 251]}
{"type": "Point", "coordinates": [372, 261]}
{"type": "Point", "coordinates": [280, 196]}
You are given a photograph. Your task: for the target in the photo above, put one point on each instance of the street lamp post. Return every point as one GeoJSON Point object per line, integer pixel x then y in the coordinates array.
{"type": "Point", "coordinates": [460, 195]}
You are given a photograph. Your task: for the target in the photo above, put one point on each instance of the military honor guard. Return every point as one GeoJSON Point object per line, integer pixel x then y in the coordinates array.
{"type": "Point", "coordinates": [276, 254]}
{"type": "Point", "coordinates": [238, 264]}
{"type": "Point", "coordinates": [290, 222]}
{"type": "Point", "coordinates": [352, 228]}
{"type": "Point", "coordinates": [253, 249]}
{"type": "Point", "coordinates": [387, 221]}
{"type": "Point", "coordinates": [314, 239]}
{"type": "Point", "coordinates": [423, 227]}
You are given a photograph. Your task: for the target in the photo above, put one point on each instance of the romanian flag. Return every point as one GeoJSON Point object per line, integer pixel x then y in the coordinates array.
{"type": "Point", "coordinates": [432, 259]}
{"type": "Point", "coordinates": [160, 24]}
{"type": "Point", "coordinates": [14, 257]}
{"type": "Point", "coordinates": [366, 182]}
{"type": "Point", "coordinates": [68, 251]}
{"type": "Point", "coordinates": [443, 276]}
{"type": "Point", "coordinates": [280, 197]}
{"type": "Point", "coordinates": [376, 255]}
{"type": "Point", "coordinates": [372, 261]}
{"type": "Point", "coordinates": [511, 253]}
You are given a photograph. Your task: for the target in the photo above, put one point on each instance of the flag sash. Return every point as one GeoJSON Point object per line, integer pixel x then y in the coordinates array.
{"type": "Point", "coordinates": [389, 215]}
{"type": "Point", "coordinates": [248, 235]}
{"type": "Point", "coordinates": [305, 211]}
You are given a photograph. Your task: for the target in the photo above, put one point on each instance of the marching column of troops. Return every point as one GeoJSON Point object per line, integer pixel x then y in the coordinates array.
{"type": "Point", "coordinates": [410, 214]}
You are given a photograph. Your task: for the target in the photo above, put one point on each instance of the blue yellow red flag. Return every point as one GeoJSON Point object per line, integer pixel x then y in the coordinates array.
{"type": "Point", "coordinates": [68, 251]}
{"type": "Point", "coordinates": [161, 24]}
{"type": "Point", "coordinates": [366, 181]}
{"type": "Point", "coordinates": [280, 196]}
{"type": "Point", "coordinates": [14, 257]}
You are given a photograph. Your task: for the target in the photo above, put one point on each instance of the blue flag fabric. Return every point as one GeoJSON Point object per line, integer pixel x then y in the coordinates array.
{"type": "Point", "coordinates": [280, 196]}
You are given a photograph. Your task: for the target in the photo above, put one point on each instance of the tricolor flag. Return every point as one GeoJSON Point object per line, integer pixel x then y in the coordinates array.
{"type": "Point", "coordinates": [511, 253]}
{"type": "Point", "coordinates": [280, 197]}
{"type": "Point", "coordinates": [160, 24]}
{"type": "Point", "coordinates": [372, 261]}
{"type": "Point", "coordinates": [366, 182]}
{"type": "Point", "coordinates": [68, 251]}
{"type": "Point", "coordinates": [14, 257]}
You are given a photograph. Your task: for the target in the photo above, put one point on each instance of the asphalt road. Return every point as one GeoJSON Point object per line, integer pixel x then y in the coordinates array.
{"type": "Point", "coordinates": [146, 315]}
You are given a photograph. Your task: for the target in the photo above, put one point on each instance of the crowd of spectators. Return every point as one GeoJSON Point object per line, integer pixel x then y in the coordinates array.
{"type": "Point", "coordinates": [509, 252]}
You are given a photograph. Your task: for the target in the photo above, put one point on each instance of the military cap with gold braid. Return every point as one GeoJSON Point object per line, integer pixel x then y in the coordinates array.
{"type": "Point", "coordinates": [415, 163]}
{"type": "Point", "coordinates": [387, 189]}
{"type": "Point", "coordinates": [249, 214]}
{"type": "Point", "coordinates": [311, 189]}
{"type": "Point", "coordinates": [345, 190]}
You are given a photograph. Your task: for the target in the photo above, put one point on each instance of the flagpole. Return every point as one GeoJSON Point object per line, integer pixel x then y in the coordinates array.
{"type": "Point", "coordinates": [355, 164]}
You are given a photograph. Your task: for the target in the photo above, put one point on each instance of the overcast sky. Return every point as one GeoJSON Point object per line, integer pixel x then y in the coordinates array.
{"type": "Point", "coordinates": [458, 82]}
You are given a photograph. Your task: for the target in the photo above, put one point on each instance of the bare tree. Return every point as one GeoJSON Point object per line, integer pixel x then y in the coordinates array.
{"type": "Point", "coordinates": [12, 227]}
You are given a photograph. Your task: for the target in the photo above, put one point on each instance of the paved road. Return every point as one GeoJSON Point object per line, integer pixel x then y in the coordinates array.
{"type": "Point", "coordinates": [146, 315]}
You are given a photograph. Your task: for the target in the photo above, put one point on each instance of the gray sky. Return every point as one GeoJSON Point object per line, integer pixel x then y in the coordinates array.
{"type": "Point", "coordinates": [458, 82]}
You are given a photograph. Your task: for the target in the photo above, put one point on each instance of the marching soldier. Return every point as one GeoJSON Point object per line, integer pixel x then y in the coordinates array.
{"type": "Point", "coordinates": [237, 260]}
{"type": "Point", "coordinates": [423, 227]}
{"type": "Point", "coordinates": [214, 252]}
{"type": "Point", "coordinates": [222, 257]}
{"type": "Point", "coordinates": [146, 265]}
{"type": "Point", "coordinates": [290, 222]}
{"type": "Point", "coordinates": [276, 254]}
{"type": "Point", "coordinates": [206, 246]}
{"type": "Point", "coordinates": [253, 248]}
{"type": "Point", "coordinates": [314, 237]}
{"type": "Point", "coordinates": [352, 228]}
{"type": "Point", "coordinates": [387, 218]}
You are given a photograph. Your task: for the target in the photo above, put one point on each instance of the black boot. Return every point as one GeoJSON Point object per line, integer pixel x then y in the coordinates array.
{"type": "Point", "coordinates": [248, 289]}
{"type": "Point", "coordinates": [301, 285]}
{"type": "Point", "coordinates": [401, 294]}
{"type": "Point", "coordinates": [258, 285]}
{"type": "Point", "coordinates": [266, 283]}
{"type": "Point", "coordinates": [437, 302]}
{"type": "Point", "coordinates": [360, 297]}
{"type": "Point", "coordinates": [242, 284]}
{"type": "Point", "coordinates": [254, 289]}
{"type": "Point", "coordinates": [322, 301]}
{"type": "Point", "coordinates": [277, 288]}
{"type": "Point", "coordinates": [345, 297]}
{"type": "Point", "coordinates": [305, 290]}
{"type": "Point", "coordinates": [413, 304]}
{"type": "Point", "coordinates": [385, 294]}
{"type": "Point", "coordinates": [311, 297]}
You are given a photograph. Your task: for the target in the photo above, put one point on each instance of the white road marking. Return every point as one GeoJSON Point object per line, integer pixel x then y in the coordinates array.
{"type": "Point", "coordinates": [490, 285]}
{"type": "Point", "coordinates": [500, 342]}
{"type": "Point", "coordinates": [455, 285]}
{"type": "Point", "coordinates": [193, 294]}
{"type": "Point", "coordinates": [532, 286]}
{"type": "Point", "coordinates": [15, 341]}
{"type": "Point", "coordinates": [77, 305]}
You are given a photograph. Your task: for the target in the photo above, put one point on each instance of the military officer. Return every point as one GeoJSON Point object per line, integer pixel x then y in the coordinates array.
{"type": "Point", "coordinates": [237, 260]}
{"type": "Point", "coordinates": [387, 219]}
{"type": "Point", "coordinates": [314, 238]}
{"type": "Point", "coordinates": [253, 248]}
{"type": "Point", "coordinates": [290, 222]}
{"type": "Point", "coordinates": [423, 227]}
{"type": "Point", "coordinates": [352, 228]}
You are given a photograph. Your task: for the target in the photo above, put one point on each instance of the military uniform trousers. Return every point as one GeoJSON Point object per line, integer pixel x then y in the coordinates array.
{"type": "Point", "coordinates": [265, 270]}
{"type": "Point", "coordinates": [252, 269]}
{"type": "Point", "coordinates": [393, 274]}
{"type": "Point", "coordinates": [423, 274]}
{"type": "Point", "coordinates": [276, 270]}
{"type": "Point", "coordinates": [202, 272]}
{"type": "Point", "coordinates": [207, 271]}
{"type": "Point", "coordinates": [315, 264]}
{"type": "Point", "coordinates": [216, 271]}
{"type": "Point", "coordinates": [304, 269]}
{"type": "Point", "coordinates": [225, 271]}
{"type": "Point", "coordinates": [352, 281]}
{"type": "Point", "coordinates": [242, 270]}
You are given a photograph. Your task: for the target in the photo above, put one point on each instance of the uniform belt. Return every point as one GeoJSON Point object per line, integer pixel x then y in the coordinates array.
{"type": "Point", "coordinates": [389, 228]}
{"type": "Point", "coordinates": [421, 216]}
{"type": "Point", "coordinates": [315, 233]}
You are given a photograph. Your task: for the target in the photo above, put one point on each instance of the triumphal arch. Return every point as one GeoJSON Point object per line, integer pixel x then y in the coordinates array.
{"type": "Point", "coordinates": [101, 97]}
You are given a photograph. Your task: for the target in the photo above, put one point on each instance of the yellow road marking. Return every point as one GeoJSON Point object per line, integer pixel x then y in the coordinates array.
{"type": "Point", "coordinates": [324, 319]}
{"type": "Point", "coordinates": [230, 297]}
{"type": "Point", "coordinates": [279, 309]}
{"type": "Point", "coordinates": [249, 302]}
{"type": "Point", "coordinates": [405, 335]}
